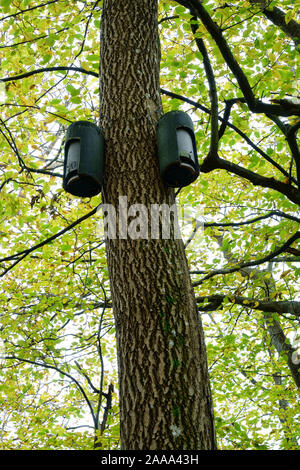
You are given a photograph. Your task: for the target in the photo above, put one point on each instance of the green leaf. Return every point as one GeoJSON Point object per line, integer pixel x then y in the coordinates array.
{"type": "Point", "coordinates": [72, 90]}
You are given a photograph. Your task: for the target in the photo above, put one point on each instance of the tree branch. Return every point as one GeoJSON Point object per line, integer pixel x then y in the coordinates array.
{"type": "Point", "coordinates": [289, 191]}
{"type": "Point", "coordinates": [95, 390]}
{"type": "Point", "coordinates": [168, 18]}
{"type": "Point", "coordinates": [108, 406]}
{"type": "Point", "coordinates": [15, 44]}
{"type": "Point", "coordinates": [277, 17]}
{"type": "Point", "coordinates": [216, 33]}
{"type": "Point", "coordinates": [13, 15]}
{"type": "Point", "coordinates": [214, 139]}
{"type": "Point", "coordinates": [255, 105]}
{"type": "Point", "coordinates": [49, 69]}
{"type": "Point", "coordinates": [247, 264]}
{"type": "Point", "coordinates": [57, 369]}
{"type": "Point", "coordinates": [211, 162]}
{"type": "Point", "coordinates": [215, 302]}
{"type": "Point", "coordinates": [238, 224]}
{"type": "Point", "coordinates": [291, 137]}
{"type": "Point", "coordinates": [252, 221]}
{"type": "Point", "coordinates": [22, 254]}
{"type": "Point", "coordinates": [227, 111]}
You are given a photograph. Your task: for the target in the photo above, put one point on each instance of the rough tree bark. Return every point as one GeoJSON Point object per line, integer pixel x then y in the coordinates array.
{"type": "Point", "coordinates": [164, 391]}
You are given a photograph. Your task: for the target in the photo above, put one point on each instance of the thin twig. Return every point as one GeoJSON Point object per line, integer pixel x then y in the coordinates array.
{"type": "Point", "coordinates": [22, 254]}
{"type": "Point", "coordinates": [247, 264]}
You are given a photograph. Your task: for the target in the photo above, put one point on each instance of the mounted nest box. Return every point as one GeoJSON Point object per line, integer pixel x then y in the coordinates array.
{"type": "Point", "coordinates": [177, 150]}
{"type": "Point", "coordinates": [84, 159]}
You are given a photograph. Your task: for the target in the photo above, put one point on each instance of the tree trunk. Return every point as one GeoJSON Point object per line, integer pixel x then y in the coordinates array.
{"type": "Point", "coordinates": [164, 391]}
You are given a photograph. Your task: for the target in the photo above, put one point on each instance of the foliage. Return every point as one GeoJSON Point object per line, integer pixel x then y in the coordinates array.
{"type": "Point", "coordinates": [58, 379]}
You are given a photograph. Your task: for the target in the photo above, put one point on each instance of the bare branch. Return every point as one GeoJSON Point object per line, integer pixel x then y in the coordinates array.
{"type": "Point", "coordinates": [15, 44]}
{"type": "Point", "coordinates": [95, 390]}
{"type": "Point", "coordinates": [13, 15]}
{"type": "Point", "coordinates": [49, 69]}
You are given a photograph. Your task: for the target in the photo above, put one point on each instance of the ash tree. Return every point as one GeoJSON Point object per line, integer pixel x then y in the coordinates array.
{"type": "Point", "coordinates": [102, 339]}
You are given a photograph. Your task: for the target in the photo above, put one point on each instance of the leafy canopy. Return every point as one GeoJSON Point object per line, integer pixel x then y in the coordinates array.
{"type": "Point", "coordinates": [234, 68]}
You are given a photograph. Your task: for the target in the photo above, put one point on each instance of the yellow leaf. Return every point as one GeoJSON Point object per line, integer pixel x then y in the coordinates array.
{"type": "Point", "coordinates": [27, 101]}
{"type": "Point", "coordinates": [50, 119]}
{"type": "Point", "coordinates": [285, 273]}
{"type": "Point", "coordinates": [289, 16]}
